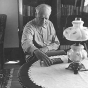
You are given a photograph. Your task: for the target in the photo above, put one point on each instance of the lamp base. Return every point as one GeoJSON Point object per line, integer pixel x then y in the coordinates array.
{"type": "Point", "coordinates": [76, 66]}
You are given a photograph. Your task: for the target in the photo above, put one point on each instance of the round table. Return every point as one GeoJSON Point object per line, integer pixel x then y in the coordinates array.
{"type": "Point", "coordinates": [25, 80]}
{"type": "Point", "coordinates": [23, 71]}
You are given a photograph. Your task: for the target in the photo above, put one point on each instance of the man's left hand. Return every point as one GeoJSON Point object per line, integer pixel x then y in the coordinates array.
{"type": "Point", "coordinates": [44, 49]}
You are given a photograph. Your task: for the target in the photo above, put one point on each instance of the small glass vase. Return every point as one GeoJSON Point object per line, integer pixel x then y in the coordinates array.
{"type": "Point", "coordinates": [77, 53]}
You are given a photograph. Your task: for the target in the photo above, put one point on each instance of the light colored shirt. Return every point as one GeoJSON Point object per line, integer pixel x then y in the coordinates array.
{"type": "Point", "coordinates": [44, 36]}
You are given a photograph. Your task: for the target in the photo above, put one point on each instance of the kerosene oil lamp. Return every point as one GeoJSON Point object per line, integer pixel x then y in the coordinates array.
{"type": "Point", "coordinates": [77, 33]}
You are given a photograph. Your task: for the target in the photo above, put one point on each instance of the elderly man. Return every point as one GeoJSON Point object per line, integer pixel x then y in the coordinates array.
{"type": "Point", "coordinates": [39, 35]}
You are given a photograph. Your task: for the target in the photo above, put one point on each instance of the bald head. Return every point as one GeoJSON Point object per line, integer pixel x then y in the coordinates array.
{"type": "Point", "coordinates": [43, 8]}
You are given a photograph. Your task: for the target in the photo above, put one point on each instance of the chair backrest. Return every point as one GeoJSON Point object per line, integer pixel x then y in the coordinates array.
{"type": "Point", "coordinates": [3, 18]}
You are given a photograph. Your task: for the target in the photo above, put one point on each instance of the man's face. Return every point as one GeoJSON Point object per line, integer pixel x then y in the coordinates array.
{"type": "Point", "coordinates": [43, 17]}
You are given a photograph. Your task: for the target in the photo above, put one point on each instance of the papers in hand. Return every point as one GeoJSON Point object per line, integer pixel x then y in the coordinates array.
{"type": "Point", "coordinates": [64, 58]}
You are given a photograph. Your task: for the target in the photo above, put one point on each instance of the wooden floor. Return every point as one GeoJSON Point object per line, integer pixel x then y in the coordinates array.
{"type": "Point", "coordinates": [15, 83]}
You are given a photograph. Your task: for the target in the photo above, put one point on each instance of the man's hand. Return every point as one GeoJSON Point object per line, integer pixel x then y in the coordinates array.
{"type": "Point", "coordinates": [43, 57]}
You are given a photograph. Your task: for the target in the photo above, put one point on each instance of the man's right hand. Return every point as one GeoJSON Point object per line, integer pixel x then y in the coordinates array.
{"type": "Point", "coordinates": [43, 57]}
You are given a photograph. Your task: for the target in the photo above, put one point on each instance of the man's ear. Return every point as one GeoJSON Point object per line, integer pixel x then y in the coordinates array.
{"type": "Point", "coordinates": [35, 14]}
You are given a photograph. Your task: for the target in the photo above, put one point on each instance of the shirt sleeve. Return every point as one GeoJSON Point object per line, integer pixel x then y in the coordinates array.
{"type": "Point", "coordinates": [55, 41]}
{"type": "Point", "coordinates": [27, 40]}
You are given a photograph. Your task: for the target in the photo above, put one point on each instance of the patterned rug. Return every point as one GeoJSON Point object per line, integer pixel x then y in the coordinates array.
{"type": "Point", "coordinates": [6, 78]}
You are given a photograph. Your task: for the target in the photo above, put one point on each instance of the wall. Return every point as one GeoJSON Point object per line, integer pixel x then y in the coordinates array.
{"type": "Point", "coordinates": [10, 8]}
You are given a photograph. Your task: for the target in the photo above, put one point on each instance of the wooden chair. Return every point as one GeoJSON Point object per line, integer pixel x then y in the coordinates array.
{"type": "Point", "coordinates": [3, 18]}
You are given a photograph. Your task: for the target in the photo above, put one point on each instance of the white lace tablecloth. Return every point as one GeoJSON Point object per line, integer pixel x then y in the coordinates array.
{"type": "Point", "coordinates": [56, 76]}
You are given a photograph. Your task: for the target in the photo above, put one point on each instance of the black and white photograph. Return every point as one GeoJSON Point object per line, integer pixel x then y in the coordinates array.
{"type": "Point", "coordinates": [43, 43]}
